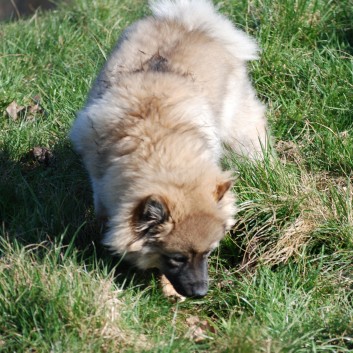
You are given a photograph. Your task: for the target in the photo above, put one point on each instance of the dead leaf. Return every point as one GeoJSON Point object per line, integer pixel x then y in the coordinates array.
{"type": "Point", "coordinates": [169, 291]}
{"type": "Point", "coordinates": [14, 109]}
{"type": "Point", "coordinates": [225, 284]}
{"type": "Point", "coordinates": [29, 112]}
{"type": "Point", "coordinates": [34, 109]}
{"type": "Point", "coordinates": [42, 155]}
{"type": "Point", "coordinates": [198, 329]}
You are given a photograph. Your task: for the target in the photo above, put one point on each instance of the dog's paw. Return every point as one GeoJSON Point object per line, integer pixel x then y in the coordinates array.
{"type": "Point", "coordinates": [169, 291]}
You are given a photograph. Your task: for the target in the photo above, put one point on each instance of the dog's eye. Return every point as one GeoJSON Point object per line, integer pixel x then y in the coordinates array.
{"type": "Point", "coordinates": [176, 259]}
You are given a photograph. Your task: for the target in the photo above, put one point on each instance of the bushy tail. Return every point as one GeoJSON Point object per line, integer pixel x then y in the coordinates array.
{"type": "Point", "coordinates": [202, 15]}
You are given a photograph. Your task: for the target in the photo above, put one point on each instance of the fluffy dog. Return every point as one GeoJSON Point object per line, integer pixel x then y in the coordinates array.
{"type": "Point", "coordinates": [173, 91]}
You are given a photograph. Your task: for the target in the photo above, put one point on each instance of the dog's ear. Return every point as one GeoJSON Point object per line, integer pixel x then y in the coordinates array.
{"type": "Point", "coordinates": [222, 188]}
{"type": "Point", "coordinates": [150, 215]}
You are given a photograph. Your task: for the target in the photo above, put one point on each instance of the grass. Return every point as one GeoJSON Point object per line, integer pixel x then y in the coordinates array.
{"type": "Point", "coordinates": [281, 281]}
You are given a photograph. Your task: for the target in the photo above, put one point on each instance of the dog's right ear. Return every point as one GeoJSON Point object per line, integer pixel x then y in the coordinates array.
{"type": "Point", "coordinates": [150, 215]}
{"type": "Point", "coordinates": [222, 188]}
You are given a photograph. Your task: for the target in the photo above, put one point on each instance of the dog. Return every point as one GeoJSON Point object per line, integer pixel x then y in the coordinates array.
{"type": "Point", "coordinates": [174, 91]}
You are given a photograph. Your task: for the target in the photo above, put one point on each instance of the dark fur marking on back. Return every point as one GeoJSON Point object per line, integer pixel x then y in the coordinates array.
{"type": "Point", "coordinates": [157, 63]}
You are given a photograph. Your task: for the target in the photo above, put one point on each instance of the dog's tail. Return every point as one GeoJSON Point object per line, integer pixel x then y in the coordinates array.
{"type": "Point", "coordinates": [202, 15]}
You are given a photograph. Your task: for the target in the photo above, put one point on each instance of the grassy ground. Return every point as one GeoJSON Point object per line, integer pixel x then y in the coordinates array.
{"type": "Point", "coordinates": [281, 281]}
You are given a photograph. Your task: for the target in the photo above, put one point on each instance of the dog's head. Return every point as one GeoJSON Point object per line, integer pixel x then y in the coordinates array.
{"type": "Point", "coordinates": [179, 241]}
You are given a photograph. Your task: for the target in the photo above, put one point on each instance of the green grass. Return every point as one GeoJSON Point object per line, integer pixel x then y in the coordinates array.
{"type": "Point", "coordinates": [282, 281]}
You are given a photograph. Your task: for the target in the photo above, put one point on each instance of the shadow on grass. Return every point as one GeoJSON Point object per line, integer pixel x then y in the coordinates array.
{"type": "Point", "coordinates": [46, 198]}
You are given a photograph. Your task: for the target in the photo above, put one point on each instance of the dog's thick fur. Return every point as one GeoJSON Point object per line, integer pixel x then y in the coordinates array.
{"type": "Point", "coordinates": [172, 92]}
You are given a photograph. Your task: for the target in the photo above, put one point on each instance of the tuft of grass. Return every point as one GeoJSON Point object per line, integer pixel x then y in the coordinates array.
{"type": "Point", "coordinates": [284, 209]}
{"type": "Point", "coordinates": [50, 302]}
{"type": "Point", "coordinates": [281, 280]}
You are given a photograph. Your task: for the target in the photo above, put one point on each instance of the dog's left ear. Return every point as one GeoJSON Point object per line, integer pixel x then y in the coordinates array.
{"type": "Point", "coordinates": [150, 214]}
{"type": "Point", "coordinates": [222, 188]}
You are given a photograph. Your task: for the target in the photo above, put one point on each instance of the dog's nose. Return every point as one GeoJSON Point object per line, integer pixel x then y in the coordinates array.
{"type": "Point", "coordinates": [199, 291]}
{"type": "Point", "coordinates": [199, 295]}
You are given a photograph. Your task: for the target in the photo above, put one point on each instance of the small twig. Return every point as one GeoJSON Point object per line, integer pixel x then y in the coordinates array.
{"type": "Point", "coordinates": [16, 9]}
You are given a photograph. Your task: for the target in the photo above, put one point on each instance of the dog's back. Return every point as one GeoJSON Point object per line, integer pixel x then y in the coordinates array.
{"type": "Point", "coordinates": [189, 38]}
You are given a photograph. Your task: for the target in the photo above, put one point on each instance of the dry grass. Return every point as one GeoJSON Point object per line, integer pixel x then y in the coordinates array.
{"type": "Point", "coordinates": [318, 199]}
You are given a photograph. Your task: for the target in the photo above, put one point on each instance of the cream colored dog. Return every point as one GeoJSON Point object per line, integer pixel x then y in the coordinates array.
{"type": "Point", "coordinates": [172, 92]}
